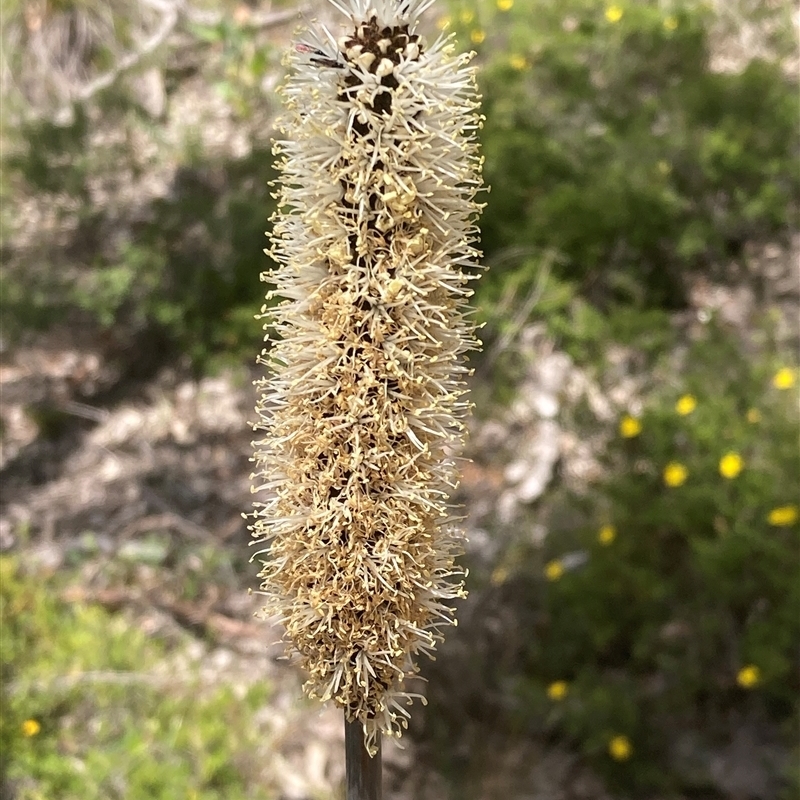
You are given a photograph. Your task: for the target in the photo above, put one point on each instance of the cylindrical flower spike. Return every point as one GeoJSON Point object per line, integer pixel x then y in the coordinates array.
{"type": "Point", "coordinates": [363, 412]}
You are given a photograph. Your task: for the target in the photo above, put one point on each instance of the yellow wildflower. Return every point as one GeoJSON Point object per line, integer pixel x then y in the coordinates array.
{"type": "Point", "coordinates": [466, 16]}
{"type": "Point", "coordinates": [477, 36]}
{"type": "Point", "coordinates": [242, 14]}
{"type": "Point", "coordinates": [753, 416]}
{"type": "Point", "coordinates": [607, 534]}
{"type": "Point", "coordinates": [670, 23]}
{"type": "Point", "coordinates": [554, 570]}
{"type": "Point", "coordinates": [675, 474]}
{"type": "Point", "coordinates": [784, 378]}
{"type": "Point", "coordinates": [730, 465]}
{"type": "Point", "coordinates": [748, 676]}
{"type": "Point", "coordinates": [783, 516]}
{"type": "Point", "coordinates": [629, 427]}
{"type": "Point", "coordinates": [499, 576]}
{"type": "Point", "coordinates": [505, 5]}
{"type": "Point", "coordinates": [443, 23]}
{"type": "Point", "coordinates": [557, 690]}
{"type": "Point", "coordinates": [686, 405]}
{"type": "Point", "coordinates": [30, 728]}
{"type": "Point", "coordinates": [620, 748]}
{"type": "Point", "coordinates": [518, 63]}
{"type": "Point", "coordinates": [614, 13]}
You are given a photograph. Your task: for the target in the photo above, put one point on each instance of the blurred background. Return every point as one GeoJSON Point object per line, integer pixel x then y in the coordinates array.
{"type": "Point", "coordinates": [633, 627]}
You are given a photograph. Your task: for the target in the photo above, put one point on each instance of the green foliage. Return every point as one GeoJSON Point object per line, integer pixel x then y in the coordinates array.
{"type": "Point", "coordinates": [53, 157]}
{"type": "Point", "coordinates": [181, 264]}
{"type": "Point", "coordinates": [193, 267]}
{"type": "Point", "coordinates": [86, 714]}
{"type": "Point", "coordinates": [189, 270]}
{"type": "Point", "coordinates": [244, 63]}
{"type": "Point", "coordinates": [612, 142]}
{"type": "Point", "coordinates": [672, 607]}
{"type": "Point", "coordinates": [611, 146]}
{"type": "Point", "coordinates": [579, 327]}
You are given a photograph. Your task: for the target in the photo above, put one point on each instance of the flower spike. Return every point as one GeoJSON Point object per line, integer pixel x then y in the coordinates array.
{"type": "Point", "coordinates": [363, 411]}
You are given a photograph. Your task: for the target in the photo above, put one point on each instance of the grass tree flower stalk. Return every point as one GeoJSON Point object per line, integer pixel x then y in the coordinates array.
{"type": "Point", "coordinates": [362, 410]}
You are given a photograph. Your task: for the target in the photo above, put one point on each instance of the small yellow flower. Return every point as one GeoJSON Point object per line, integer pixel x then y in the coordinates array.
{"type": "Point", "coordinates": [554, 570]}
{"type": "Point", "coordinates": [518, 63]}
{"type": "Point", "coordinates": [466, 16]}
{"type": "Point", "coordinates": [620, 748]}
{"type": "Point", "coordinates": [784, 378]}
{"type": "Point", "coordinates": [614, 13]}
{"type": "Point", "coordinates": [686, 405]}
{"type": "Point", "coordinates": [505, 5]}
{"type": "Point", "coordinates": [670, 23]}
{"type": "Point", "coordinates": [30, 728]}
{"type": "Point", "coordinates": [753, 416]}
{"type": "Point", "coordinates": [748, 676]}
{"type": "Point", "coordinates": [477, 36]}
{"type": "Point", "coordinates": [607, 534]}
{"type": "Point", "coordinates": [443, 23]}
{"type": "Point", "coordinates": [664, 168]}
{"type": "Point", "coordinates": [730, 465]}
{"type": "Point", "coordinates": [675, 474]}
{"type": "Point", "coordinates": [629, 427]}
{"type": "Point", "coordinates": [557, 690]}
{"type": "Point", "coordinates": [499, 576]}
{"type": "Point", "coordinates": [783, 516]}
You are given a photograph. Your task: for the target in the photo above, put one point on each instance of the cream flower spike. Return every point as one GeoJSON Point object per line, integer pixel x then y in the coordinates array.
{"type": "Point", "coordinates": [362, 412]}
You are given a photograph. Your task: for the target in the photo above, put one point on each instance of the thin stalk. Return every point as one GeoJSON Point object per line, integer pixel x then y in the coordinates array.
{"type": "Point", "coordinates": [363, 773]}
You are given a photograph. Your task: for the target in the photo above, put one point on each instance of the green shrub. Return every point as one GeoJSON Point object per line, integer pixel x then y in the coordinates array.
{"type": "Point", "coordinates": [188, 273]}
{"type": "Point", "coordinates": [87, 713]}
{"type": "Point", "coordinates": [610, 141]}
{"type": "Point", "coordinates": [672, 608]}
{"type": "Point", "coordinates": [179, 265]}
